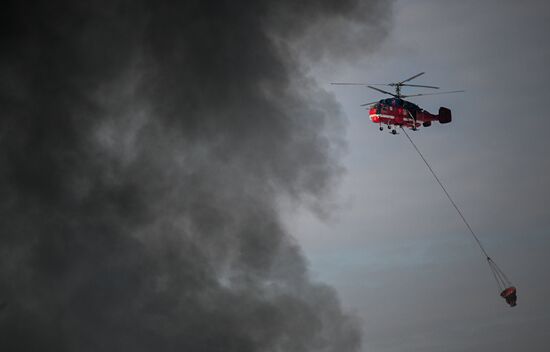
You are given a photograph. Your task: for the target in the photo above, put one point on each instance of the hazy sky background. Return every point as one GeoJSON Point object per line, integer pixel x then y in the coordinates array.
{"type": "Point", "coordinates": [395, 249]}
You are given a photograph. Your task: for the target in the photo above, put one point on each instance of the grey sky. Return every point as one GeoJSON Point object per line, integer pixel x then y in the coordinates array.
{"type": "Point", "coordinates": [396, 249]}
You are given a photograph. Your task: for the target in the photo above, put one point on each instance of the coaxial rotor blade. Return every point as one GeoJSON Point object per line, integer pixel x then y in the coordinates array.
{"type": "Point", "coordinates": [413, 77]}
{"type": "Point", "coordinates": [383, 91]}
{"type": "Point", "coordinates": [418, 85]}
{"type": "Point", "coordinates": [422, 94]}
{"type": "Point", "coordinates": [371, 103]}
{"type": "Point", "coordinates": [357, 84]}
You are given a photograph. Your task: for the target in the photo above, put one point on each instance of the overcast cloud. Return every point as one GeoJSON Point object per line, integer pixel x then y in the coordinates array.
{"type": "Point", "coordinates": [144, 149]}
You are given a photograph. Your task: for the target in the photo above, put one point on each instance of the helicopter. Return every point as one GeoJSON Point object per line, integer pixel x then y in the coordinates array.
{"type": "Point", "coordinates": [398, 112]}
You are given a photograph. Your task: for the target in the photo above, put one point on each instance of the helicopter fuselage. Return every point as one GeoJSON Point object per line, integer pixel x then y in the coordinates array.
{"type": "Point", "coordinates": [399, 112]}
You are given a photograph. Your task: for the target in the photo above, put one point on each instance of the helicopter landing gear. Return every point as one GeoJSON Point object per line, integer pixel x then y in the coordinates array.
{"type": "Point", "coordinates": [414, 128]}
{"type": "Point", "coordinates": [389, 127]}
{"type": "Point", "coordinates": [393, 131]}
{"type": "Point", "coordinates": [381, 128]}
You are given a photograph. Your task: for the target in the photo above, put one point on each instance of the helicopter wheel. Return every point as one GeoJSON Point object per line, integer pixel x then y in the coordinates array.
{"type": "Point", "coordinates": [393, 132]}
{"type": "Point", "coordinates": [414, 128]}
{"type": "Point", "coordinates": [381, 128]}
{"type": "Point", "coordinates": [389, 127]}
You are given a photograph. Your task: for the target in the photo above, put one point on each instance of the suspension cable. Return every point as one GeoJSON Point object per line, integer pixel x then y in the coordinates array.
{"type": "Point", "coordinates": [500, 285]}
{"type": "Point", "coordinates": [498, 274]}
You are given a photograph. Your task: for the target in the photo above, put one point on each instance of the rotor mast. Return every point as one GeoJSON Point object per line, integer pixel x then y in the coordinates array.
{"type": "Point", "coordinates": [398, 85]}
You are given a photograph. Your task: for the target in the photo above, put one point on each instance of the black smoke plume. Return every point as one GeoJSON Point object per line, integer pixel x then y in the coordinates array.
{"type": "Point", "coordinates": [144, 150]}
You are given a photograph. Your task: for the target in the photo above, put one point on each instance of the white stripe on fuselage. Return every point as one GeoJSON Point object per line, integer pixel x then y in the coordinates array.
{"type": "Point", "coordinates": [382, 116]}
{"type": "Point", "coordinates": [391, 117]}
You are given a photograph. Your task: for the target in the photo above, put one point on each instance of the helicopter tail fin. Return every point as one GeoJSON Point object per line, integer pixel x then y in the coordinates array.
{"type": "Point", "coordinates": [444, 115]}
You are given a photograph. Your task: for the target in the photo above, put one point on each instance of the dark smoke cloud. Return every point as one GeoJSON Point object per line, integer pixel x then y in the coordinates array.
{"type": "Point", "coordinates": [144, 146]}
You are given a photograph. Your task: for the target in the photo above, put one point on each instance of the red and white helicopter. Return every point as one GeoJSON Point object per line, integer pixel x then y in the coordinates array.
{"type": "Point", "coordinates": [398, 112]}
